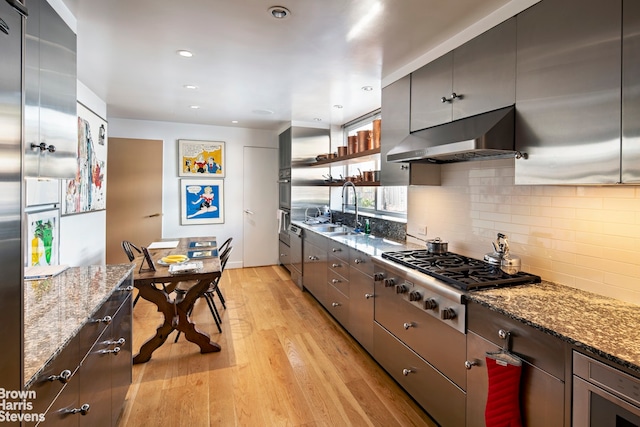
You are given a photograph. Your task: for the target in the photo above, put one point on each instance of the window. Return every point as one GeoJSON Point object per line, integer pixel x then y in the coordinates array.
{"type": "Point", "coordinates": [377, 200]}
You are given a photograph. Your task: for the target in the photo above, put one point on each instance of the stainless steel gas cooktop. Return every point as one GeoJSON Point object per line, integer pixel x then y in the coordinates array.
{"type": "Point", "coordinates": [459, 271]}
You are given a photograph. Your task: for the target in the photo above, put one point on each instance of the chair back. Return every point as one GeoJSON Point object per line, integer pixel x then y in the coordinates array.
{"type": "Point", "coordinates": [223, 246]}
{"type": "Point", "coordinates": [224, 257]}
{"type": "Point", "coordinates": [128, 249]}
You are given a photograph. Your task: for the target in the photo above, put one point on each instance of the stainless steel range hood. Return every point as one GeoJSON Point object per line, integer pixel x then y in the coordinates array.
{"type": "Point", "coordinates": [485, 136]}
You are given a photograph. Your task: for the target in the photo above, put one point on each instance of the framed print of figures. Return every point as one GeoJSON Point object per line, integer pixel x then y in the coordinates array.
{"type": "Point", "coordinates": [202, 201]}
{"type": "Point", "coordinates": [201, 158]}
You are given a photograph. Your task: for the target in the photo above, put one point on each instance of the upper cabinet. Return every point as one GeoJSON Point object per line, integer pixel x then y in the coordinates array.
{"type": "Point", "coordinates": [631, 92]}
{"type": "Point", "coordinates": [51, 128]}
{"type": "Point", "coordinates": [568, 102]}
{"type": "Point", "coordinates": [394, 128]}
{"type": "Point", "coordinates": [476, 77]}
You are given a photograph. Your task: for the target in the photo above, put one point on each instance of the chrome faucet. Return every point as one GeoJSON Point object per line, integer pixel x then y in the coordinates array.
{"type": "Point", "coordinates": [355, 198]}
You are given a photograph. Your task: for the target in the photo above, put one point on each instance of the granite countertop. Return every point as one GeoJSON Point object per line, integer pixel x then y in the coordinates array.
{"type": "Point", "coordinates": [56, 308]}
{"type": "Point", "coordinates": [600, 325]}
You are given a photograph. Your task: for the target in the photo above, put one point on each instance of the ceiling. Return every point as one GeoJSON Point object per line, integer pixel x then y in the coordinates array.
{"type": "Point", "coordinates": [250, 67]}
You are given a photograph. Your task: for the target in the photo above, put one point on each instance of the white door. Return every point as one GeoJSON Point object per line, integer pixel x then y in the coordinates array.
{"type": "Point", "coordinates": [260, 205]}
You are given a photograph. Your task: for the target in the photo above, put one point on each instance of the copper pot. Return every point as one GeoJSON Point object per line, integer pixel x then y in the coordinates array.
{"type": "Point", "coordinates": [375, 135]}
{"type": "Point", "coordinates": [364, 140]}
{"type": "Point", "coordinates": [352, 144]}
{"type": "Point", "coordinates": [342, 151]}
{"type": "Point", "coordinates": [368, 176]}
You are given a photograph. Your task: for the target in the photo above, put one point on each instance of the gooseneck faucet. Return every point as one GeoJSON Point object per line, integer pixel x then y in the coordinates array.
{"type": "Point", "coordinates": [355, 198]}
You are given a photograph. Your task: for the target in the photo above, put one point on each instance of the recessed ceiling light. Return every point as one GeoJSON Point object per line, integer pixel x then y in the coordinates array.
{"type": "Point", "coordinates": [367, 88]}
{"type": "Point", "coordinates": [192, 87]}
{"type": "Point", "coordinates": [338, 106]}
{"type": "Point", "coordinates": [234, 121]}
{"type": "Point", "coordinates": [279, 12]}
{"type": "Point", "coordinates": [317, 119]}
{"type": "Point", "coordinates": [184, 53]}
{"type": "Point", "coordinates": [194, 107]}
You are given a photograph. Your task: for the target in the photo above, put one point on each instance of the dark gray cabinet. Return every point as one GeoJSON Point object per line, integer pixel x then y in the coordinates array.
{"type": "Point", "coordinates": [98, 364]}
{"type": "Point", "coordinates": [50, 113]}
{"type": "Point", "coordinates": [284, 149]}
{"type": "Point", "coordinates": [394, 128]}
{"type": "Point", "coordinates": [542, 398]}
{"type": "Point", "coordinates": [474, 78]}
{"type": "Point", "coordinates": [568, 102]}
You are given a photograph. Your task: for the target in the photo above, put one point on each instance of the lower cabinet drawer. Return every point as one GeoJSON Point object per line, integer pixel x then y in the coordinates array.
{"type": "Point", "coordinates": [442, 399]}
{"type": "Point", "coordinates": [338, 305]}
{"type": "Point", "coordinates": [58, 373]}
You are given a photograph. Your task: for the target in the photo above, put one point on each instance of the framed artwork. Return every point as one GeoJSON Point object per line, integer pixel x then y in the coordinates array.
{"type": "Point", "coordinates": [87, 191]}
{"type": "Point", "coordinates": [201, 158]}
{"type": "Point", "coordinates": [202, 201]}
{"type": "Point", "coordinates": [43, 231]}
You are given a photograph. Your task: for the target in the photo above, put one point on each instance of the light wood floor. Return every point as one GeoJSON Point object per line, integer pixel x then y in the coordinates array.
{"type": "Point", "coordinates": [284, 362]}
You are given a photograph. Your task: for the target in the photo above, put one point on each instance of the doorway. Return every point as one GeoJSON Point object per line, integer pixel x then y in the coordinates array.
{"type": "Point", "coordinates": [134, 194]}
{"type": "Point", "coordinates": [260, 206]}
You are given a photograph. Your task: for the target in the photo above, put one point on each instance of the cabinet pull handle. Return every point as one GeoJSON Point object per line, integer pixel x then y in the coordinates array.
{"type": "Point", "coordinates": [471, 363]}
{"type": "Point", "coordinates": [335, 304]}
{"type": "Point", "coordinates": [358, 261]}
{"type": "Point", "coordinates": [334, 265]}
{"type": "Point", "coordinates": [408, 325]}
{"type": "Point", "coordinates": [404, 167]}
{"type": "Point", "coordinates": [64, 376]}
{"type": "Point", "coordinates": [126, 289]}
{"type": "Point", "coordinates": [451, 98]}
{"type": "Point", "coordinates": [105, 319]}
{"type": "Point", "coordinates": [336, 250]}
{"type": "Point", "coordinates": [406, 372]}
{"type": "Point", "coordinates": [115, 351]}
{"type": "Point", "coordinates": [120, 341]}
{"type": "Point", "coordinates": [82, 410]}
{"type": "Point", "coordinates": [19, 7]}
{"type": "Point", "coordinates": [334, 281]}
{"type": "Point", "coordinates": [367, 296]}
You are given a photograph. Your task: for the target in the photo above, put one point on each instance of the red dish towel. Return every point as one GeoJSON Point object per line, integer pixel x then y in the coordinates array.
{"type": "Point", "coordinates": [503, 401]}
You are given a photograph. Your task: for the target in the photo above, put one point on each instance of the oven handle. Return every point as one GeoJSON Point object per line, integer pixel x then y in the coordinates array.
{"type": "Point", "coordinates": [581, 401]}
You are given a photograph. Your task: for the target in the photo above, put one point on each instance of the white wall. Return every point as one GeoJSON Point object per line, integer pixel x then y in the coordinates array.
{"type": "Point", "coordinates": [235, 140]}
{"type": "Point", "coordinates": [583, 237]}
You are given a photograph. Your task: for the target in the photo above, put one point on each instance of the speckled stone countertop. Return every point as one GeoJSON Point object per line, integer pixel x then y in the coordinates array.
{"type": "Point", "coordinates": [56, 308]}
{"type": "Point", "coordinates": [604, 326]}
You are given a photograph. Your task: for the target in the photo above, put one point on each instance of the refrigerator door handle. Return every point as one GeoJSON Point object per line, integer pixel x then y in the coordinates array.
{"type": "Point", "coordinates": [19, 7]}
{"type": "Point", "coordinates": [3, 26]}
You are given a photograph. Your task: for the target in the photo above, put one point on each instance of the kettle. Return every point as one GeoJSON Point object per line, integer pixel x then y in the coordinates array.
{"type": "Point", "coordinates": [501, 256]}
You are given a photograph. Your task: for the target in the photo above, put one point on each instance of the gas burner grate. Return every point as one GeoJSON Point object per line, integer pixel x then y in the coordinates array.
{"type": "Point", "coordinates": [459, 271]}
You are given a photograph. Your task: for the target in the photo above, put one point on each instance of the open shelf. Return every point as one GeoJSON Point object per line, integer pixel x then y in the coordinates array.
{"type": "Point", "coordinates": [344, 160]}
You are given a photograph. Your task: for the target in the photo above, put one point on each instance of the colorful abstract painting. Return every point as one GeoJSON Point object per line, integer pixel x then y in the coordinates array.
{"type": "Point", "coordinates": [201, 158]}
{"type": "Point", "coordinates": [202, 201]}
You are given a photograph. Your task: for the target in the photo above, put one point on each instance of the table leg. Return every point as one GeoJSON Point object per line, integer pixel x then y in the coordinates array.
{"type": "Point", "coordinates": [173, 312]}
{"type": "Point", "coordinates": [184, 322]}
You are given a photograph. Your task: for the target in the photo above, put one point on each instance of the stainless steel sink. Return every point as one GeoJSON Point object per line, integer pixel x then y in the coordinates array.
{"type": "Point", "coordinates": [326, 228]}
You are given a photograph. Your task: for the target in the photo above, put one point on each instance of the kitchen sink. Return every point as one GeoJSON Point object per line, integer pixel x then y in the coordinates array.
{"type": "Point", "coordinates": [327, 228]}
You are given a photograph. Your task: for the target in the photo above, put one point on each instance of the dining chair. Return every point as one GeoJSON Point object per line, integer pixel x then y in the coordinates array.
{"type": "Point", "coordinates": [128, 249]}
{"type": "Point", "coordinates": [221, 250]}
{"type": "Point", "coordinates": [211, 291]}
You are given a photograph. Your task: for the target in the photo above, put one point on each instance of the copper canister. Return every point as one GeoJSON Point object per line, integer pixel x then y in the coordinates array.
{"type": "Point", "coordinates": [342, 151]}
{"type": "Point", "coordinates": [375, 135]}
{"type": "Point", "coordinates": [352, 144]}
{"type": "Point", "coordinates": [364, 138]}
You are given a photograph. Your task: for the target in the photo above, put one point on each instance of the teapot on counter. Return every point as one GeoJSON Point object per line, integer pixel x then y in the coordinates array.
{"type": "Point", "coordinates": [501, 256]}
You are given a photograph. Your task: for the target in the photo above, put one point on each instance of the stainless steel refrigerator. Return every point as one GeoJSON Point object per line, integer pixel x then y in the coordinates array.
{"type": "Point", "coordinates": [11, 258]}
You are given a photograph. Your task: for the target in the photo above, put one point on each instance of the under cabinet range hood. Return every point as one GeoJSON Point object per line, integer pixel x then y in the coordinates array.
{"type": "Point", "coordinates": [484, 136]}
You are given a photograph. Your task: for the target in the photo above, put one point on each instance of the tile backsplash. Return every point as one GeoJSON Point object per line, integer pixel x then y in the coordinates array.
{"type": "Point", "coordinates": [587, 237]}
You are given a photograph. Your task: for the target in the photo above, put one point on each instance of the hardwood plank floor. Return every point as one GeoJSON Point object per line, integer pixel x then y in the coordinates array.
{"type": "Point", "coordinates": [284, 362]}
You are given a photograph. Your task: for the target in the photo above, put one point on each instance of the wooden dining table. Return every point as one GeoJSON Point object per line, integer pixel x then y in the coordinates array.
{"type": "Point", "coordinates": [157, 286]}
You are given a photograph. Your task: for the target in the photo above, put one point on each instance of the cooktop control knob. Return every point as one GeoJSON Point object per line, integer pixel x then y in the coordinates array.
{"type": "Point", "coordinates": [430, 304]}
{"type": "Point", "coordinates": [401, 289]}
{"type": "Point", "coordinates": [448, 313]}
{"type": "Point", "coordinates": [415, 296]}
{"type": "Point", "coordinates": [378, 277]}
{"type": "Point", "coordinates": [389, 282]}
